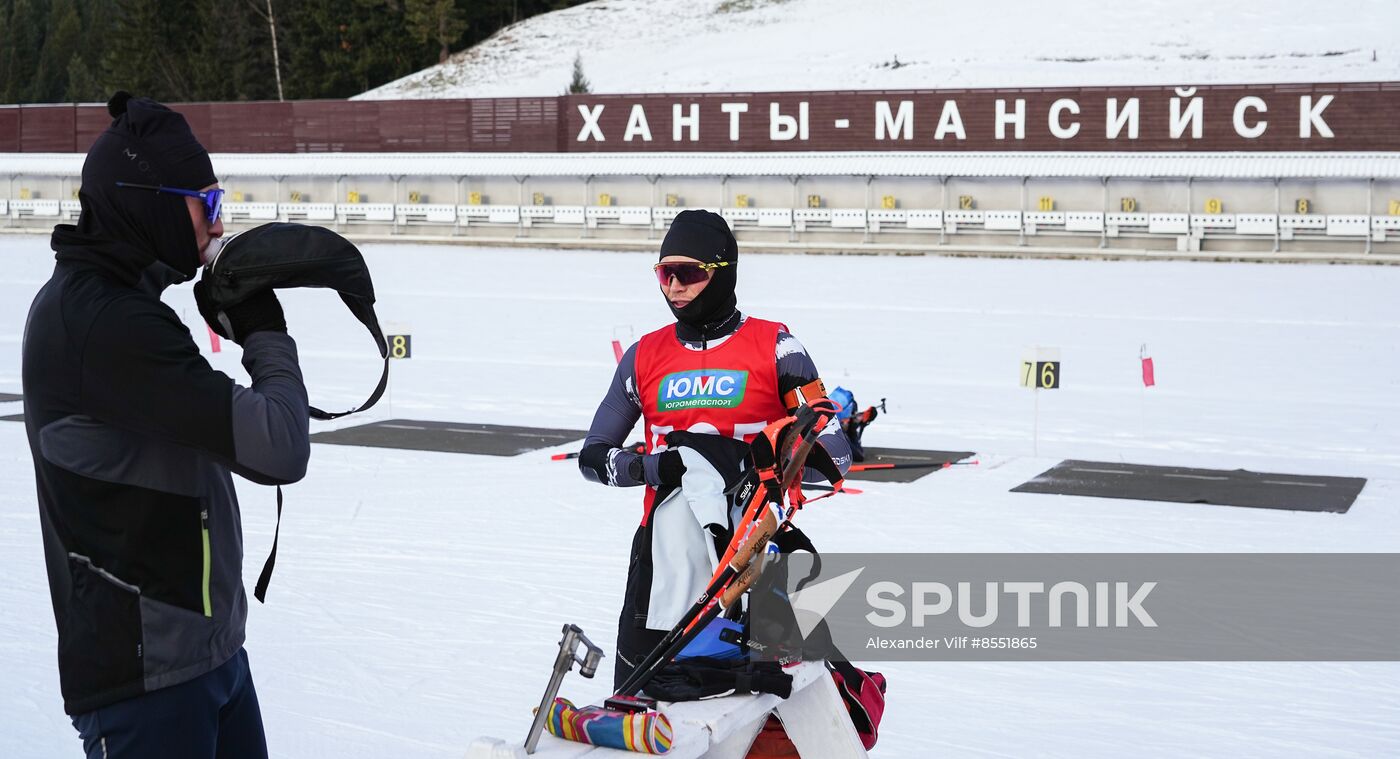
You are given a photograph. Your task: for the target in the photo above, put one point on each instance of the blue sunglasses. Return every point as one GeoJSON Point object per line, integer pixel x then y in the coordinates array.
{"type": "Point", "coordinates": [213, 199]}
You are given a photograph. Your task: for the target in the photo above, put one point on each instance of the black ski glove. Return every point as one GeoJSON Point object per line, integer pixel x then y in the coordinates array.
{"type": "Point", "coordinates": [725, 454]}
{"type": "Point", "coordinates": [669, 468]}
{"type": "Point", "coordinates": [259, 313]}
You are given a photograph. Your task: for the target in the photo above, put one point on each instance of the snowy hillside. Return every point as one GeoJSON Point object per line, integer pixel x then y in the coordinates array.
{"type": "Point", "coordinates": [633, 46]}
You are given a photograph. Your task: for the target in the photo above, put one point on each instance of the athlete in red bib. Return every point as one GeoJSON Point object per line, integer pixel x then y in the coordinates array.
{"type": "Point", "coordinates": [708, 383]}
{"type": "Point", "coordinates": [733, 392]}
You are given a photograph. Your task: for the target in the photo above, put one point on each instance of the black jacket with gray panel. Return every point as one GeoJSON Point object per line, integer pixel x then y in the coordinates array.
{"type": "Point", "coordinates": [134, 437]}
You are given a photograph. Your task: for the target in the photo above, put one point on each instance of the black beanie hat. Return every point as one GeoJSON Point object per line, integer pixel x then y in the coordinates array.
{"type": "Point", "coordinates": [146, 143]}
{"type": "Point", "coordinates": [705, 237]}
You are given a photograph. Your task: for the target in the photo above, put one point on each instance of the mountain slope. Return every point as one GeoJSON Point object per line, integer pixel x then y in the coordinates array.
{"type": "Point", "coordinates": [772, 45]}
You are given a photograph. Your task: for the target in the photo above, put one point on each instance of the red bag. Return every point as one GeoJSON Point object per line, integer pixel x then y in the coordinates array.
{"type": "Point", "coordinates": [772, 742]}
{"type": "Point", "coordinates": [864, 694]}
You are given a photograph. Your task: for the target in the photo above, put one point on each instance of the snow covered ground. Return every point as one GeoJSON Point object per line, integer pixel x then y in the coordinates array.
{"type": "Point", "coordinates": [418, 596]}
{"type": "Point", "coordinates": [633, 46]}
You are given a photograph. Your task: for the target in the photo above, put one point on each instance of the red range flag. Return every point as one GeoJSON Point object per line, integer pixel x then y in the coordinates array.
{"type": "Point", "coordinates": [1148, 377]}
{"type": "Point", "coordinates": [617, 350]}
{"type": "Point", "coordinates": [214, 344]}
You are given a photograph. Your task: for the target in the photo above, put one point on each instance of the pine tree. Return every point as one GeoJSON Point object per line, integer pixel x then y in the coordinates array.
{"type": "Point", "coordinates": [130, 61]}
{"type": "Point", "coordinates": [439, 21]}
{"type": "Point", "coordinates": [83, 86]}
{"type": "Point", "coordinates": [154, 50]}
{"type": "Point", "coordinates": [230, 57]}
{"type": "Point", "coordinates": [191, 50]}
{"type": "Point", "coordinates": [268, 38]}
{"type": "Point", "coordinates": [317, 51]}
{"type": "Point", "coordinates": [579, 85]}
{"type": "Point", "coordinates": [85, 83]}
{"type": "Point", "coordinates": [6, 45]}
{"type": "Point", "coordinates": [388, 50]}
{"type": "Point", "coordinates": [26, 33]}
{"type": "Point", "coordinates": [50, 83]}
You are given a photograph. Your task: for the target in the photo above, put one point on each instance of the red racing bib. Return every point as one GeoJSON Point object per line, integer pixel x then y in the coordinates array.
{"type": "Point", "coordinates": [731, 389]}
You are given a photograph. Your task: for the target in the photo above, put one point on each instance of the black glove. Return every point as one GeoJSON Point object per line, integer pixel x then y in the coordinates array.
{"type": "Point", "coordinates": [259, 313]}
{"type": "Point", "coordinates": [670, 468]}
{"type": "Point", "coordinates": [725, 454]}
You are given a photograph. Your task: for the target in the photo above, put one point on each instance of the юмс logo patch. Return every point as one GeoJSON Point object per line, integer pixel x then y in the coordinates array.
{"type": "Point", "coordinates": [702, 388]}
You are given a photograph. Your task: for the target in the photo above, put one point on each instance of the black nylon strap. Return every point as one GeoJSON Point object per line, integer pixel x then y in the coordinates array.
{"type": "Point", "coordinates": [260, 590]}
{"type": "Point", "coordinates": [373, 398]}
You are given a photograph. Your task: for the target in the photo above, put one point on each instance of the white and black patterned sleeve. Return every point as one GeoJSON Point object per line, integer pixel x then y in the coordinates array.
{"type": "Point", "coordinates": [603, 458]}
{"type": "Point", "coordinates": [795, 369]}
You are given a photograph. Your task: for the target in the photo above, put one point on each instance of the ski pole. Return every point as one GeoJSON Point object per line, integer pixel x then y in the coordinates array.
{"type": "Point", "coordinates": [911, 465]}
{"type": "Point", "coordinates": [830, 489]}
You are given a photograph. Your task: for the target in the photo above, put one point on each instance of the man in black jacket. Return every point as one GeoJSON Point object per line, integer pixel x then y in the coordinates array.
{"type": "Point", "coordinates": [133, 437]}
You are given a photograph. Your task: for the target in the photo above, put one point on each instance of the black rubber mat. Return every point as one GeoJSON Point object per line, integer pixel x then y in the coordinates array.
{"type": "Point", "coordinates": [907, 461]}
{"type": "Point", "coordinates": [1259, 490]}
{"type": "Point", "coordinates": [7, 397]}
{"type": "Point", "coordinates": [449, 437]}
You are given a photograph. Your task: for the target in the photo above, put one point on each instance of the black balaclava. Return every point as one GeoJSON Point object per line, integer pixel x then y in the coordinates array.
{"type": "Point", "coordinates": [705, 237]}
{"type": "Point", "coordinates": [147, 143]}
